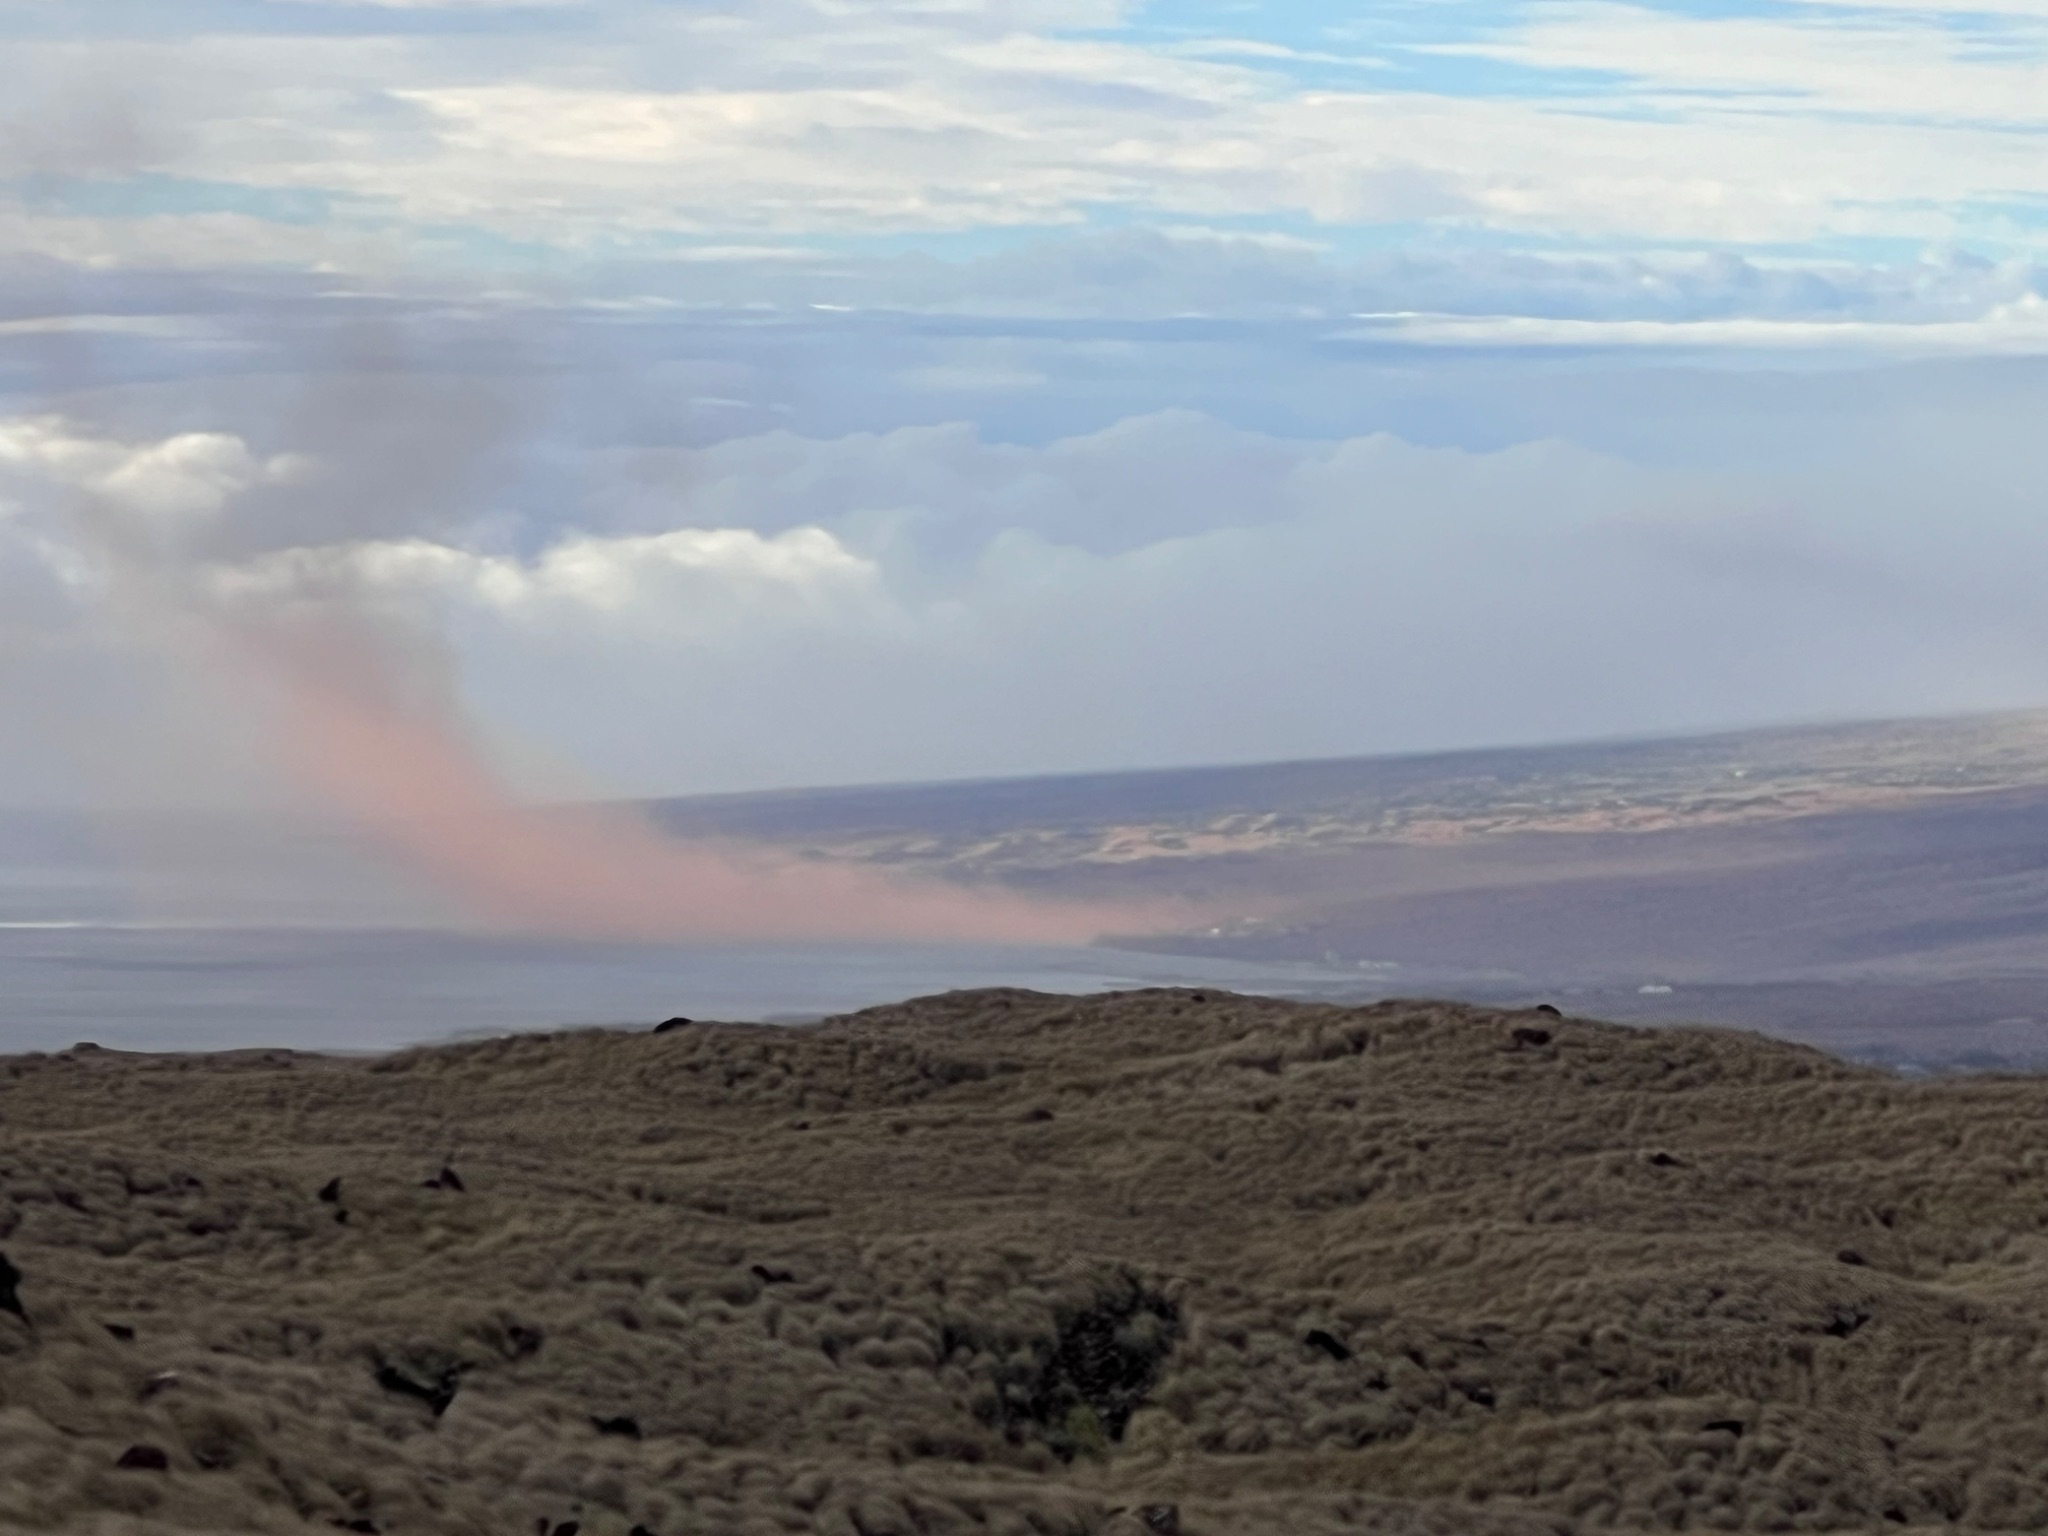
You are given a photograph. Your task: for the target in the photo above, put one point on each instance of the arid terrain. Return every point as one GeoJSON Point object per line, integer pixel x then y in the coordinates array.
{"type": "Point", "coordinates": [1878, 888]}
{"type": "Point", "coordinates": [1010, 1262]}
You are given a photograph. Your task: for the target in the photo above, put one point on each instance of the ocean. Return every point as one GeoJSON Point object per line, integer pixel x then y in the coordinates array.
{"type": "Point", "coordinates": [163, 987]}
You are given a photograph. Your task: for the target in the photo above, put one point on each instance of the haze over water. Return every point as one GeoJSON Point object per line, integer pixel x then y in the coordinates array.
{"type": "Point", "coordinates": [81, 960]}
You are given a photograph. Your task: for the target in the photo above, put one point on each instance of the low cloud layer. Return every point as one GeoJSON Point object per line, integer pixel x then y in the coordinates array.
{"type": "Point", "coordinates": [781, 610]}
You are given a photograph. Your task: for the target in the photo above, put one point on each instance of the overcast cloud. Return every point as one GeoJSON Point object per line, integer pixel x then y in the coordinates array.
{"type": "Point", "coordinates": [781, 393]}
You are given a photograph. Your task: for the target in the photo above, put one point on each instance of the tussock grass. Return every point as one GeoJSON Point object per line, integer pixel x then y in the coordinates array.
{"type": "Point", "coordinates": [1003, 1262]}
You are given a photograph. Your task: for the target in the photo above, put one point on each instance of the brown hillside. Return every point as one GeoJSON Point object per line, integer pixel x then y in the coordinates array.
{"type": "Point", "coordinates": [1006, 1262]}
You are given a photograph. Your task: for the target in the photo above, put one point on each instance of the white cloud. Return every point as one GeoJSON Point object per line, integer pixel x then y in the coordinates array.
{"type": "Point", "coordinates": [769, 119]}
{"type": "Point", "coordinates": [924, 602]}
{"type": "Point", "coordinates": [2017, 329]}
{"type": "Point", "coordinates": [688, 582]}
{"type": "Point", "coordinates": [190, 476]}
{"type": "Point", "coordinates": [446, 5]}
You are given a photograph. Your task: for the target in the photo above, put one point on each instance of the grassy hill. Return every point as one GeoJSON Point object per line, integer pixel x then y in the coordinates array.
{"type": "Point", "coordinates": [1010, 1262]}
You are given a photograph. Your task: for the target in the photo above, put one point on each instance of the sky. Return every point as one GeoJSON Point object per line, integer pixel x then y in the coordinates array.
{"type": "Point", "coordinates": [674, 397]}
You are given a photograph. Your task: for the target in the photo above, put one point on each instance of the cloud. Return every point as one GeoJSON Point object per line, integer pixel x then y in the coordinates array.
{"type": "Point", "coordinates": [926, 603]}
{"type": "Point", "coordinates": [519, 144]}
{"type": "Point", "coordinates": [2016, 329]}
{"type": "Point", "coordinates": [668, 586]}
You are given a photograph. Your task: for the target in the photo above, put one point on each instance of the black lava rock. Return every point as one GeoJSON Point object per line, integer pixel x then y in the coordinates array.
{"type": "Point", "coordinates": [1328, 1343]}
{"type": "Point", "coordinates": [10, 1289]}
{"type": "Point", "coordinates": [437, 1394]}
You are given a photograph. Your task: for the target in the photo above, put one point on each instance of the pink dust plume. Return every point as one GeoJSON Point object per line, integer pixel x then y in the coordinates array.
{"type": "Point", "coordinates": [403, 772]}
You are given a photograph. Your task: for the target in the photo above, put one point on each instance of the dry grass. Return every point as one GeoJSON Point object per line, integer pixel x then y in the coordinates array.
{"type": "Point", "coordinates": [914, 1270]}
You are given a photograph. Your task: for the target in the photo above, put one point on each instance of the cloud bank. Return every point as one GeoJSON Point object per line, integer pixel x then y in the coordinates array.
{"type": "Point", "coordinates": [780, 610]}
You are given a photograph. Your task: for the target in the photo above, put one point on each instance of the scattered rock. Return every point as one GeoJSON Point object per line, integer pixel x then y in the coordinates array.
{"type": "Point", "coordinates": [767, 1276]}
{"type": "Point", "coordinates": [158, 1383]}
{"type": "Point", "coordinates": [1525, 1035]}
{"type": "Point", "coordinates": [1328, 1343]}
{"type": "Point", "coordinates": [568, 1528]}
{"type": "Point", "coordinates": [1664, 1160]}
{"type": "Point", "coordinates": [120, 1331]}
{"type": "Point", "coordinates": [640, 1530]}
{"type": "Point", "coordinates": [10, 1289]}
{"type": "Point", "coordinates": [437, 1395]}
{"type": "Point", "coordinates": [678, 1022]}
{"type": "Point", "coordinates": [330, 1192]}
{"type": "Point", "coordinates": [144, 1458]}
{"type": "Point", "coordinates": [1851, 1256]}
{"type": "Point", "coordinates": [1726, 1426]}
{"type": "Point", "coordinates": [618, 1424]}
{"type": "Point", "coordinates": [447, 1179]}
{"type": "Point", "coordinates": [1160, 1519]}
{"type": "Point", "coordinates": [1845, 1322]}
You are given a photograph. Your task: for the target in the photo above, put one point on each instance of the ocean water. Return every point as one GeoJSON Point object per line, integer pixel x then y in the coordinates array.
{"type": "Point", "coordinates": [284, 940]}
{"type": "Point", "coordinates": [214, 988]}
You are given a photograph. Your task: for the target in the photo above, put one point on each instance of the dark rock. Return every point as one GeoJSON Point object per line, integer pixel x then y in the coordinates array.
{"type": "Point", "coordinates": [1664, 1160]}
{"type": "Point", "coordinates": [1524, 1035]}
{"type": "Point", "coordinates": [525, 1339]}
{"type": "Point", "coordinates": [678, 1022]}
{"type": "Point", "coordinates": [619, 1424]}
{"type": "Point", "coordinates": [361, 1523]}
{"type": "Point", "coordinates": [1039, 1115]}
{"type": "Point", "coordinates": [447, 1179]}
{"type": "Point", "coordinates": [1727, 1426]}
{"type": "Point", "coordinates": [568, 1528]}
{"type": "Point", "coordinates": [341, 1218]}
{"type": "Point", "coordinates": [1850, 1256]}
{"type": "Point", "coordinates": [437, 1394]}
{"type": "Point", "coordinates": [1198, 997]}
{"type": "Point", "coordinates": [120, 1331]}
{"type": "Point", "coordinates": [639, 1530]}
{"type": "Point", "coordinates": [1844, 1323]}
{"type": "Point", "coordinates": [1161, 1519]}
{"type": "Point", "coordinates": [1549, 1009]}
{"type": "Point", "coordinates": [144, 1458]}
{"type": "Point", "coordinates": [330, 1192]}
{"type": "Point", "coordinates": [769, 1276]}
{"type": "Point", "coordinates": [10, 1289]}
{"type": "Point", "coordinates": [158, 1383]}
{"type": "Point", "coordinates": [1328, 1343]}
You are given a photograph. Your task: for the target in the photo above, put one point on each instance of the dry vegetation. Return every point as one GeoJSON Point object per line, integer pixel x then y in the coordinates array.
{"type": "Point", "coordinates": [1005, 1262]}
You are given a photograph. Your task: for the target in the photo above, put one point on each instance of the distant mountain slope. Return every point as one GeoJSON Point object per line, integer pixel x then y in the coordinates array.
{"type": "Point", "coordinates": [1881, 888]}
{"type": "Point", "coordinates": [1012, 826]}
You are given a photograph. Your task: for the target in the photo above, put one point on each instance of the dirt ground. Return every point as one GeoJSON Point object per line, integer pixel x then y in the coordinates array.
{"type": "Point", "coordinates": [1007, 1262]}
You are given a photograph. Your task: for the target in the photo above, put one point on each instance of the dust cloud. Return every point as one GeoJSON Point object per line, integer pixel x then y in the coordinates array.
{"type": "Point", "coordinates": [325, 699]}
{"type": "Point", "coordinates": [402, 771]}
